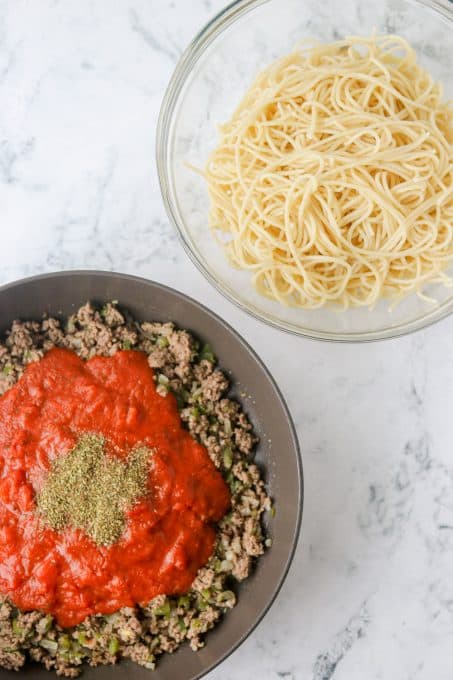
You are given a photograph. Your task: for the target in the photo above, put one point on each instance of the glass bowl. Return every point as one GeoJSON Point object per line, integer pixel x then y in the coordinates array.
{"type": "Point", "coordinates": [212, 76]}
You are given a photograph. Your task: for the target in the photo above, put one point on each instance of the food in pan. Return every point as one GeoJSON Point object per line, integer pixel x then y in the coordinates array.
{"type": "Point", "coordinates": [129, 503]}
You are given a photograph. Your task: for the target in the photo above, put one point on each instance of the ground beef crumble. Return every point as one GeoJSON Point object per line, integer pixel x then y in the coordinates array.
{"type": "Point", "coordinates": [187, 369]}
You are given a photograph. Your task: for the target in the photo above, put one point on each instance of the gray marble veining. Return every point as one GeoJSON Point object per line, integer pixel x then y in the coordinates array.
{"type": "Point", "coordinates": [370, 593]}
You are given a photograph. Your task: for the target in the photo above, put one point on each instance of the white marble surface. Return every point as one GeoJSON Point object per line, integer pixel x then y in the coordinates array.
{"type": "Point", "coordinates": [370, 593]}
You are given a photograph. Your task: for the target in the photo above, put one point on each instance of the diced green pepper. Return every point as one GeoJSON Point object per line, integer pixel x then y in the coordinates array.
{"type": "Point", "coordinates": [18, 629]}
{"type": "Point", "coordinates": [114, 645]}
{"type": "Point", "coordinates": [196, 624]}
{"type": "Point", "coordinates": [64, 641]}
{"type": "Point", "coordinates": [217, 564]}
{"type": "Point", "coordinates": [163, 610]}
{"type": "Point", "coordinates": [227, 457]}
{"type": "Point", "coordinates": [184, 601]}
{"type": "Point", "coordinates": [206, 593]}
{"type": "Point", "coordinates": [80, 636]}
{"type": "Point", "coordinates": [162, 341]}
{"type": "Point", "coordinates": [207, 353]}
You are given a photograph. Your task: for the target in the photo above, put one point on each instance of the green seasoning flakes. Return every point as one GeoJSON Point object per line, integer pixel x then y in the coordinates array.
{"type": "Point", "coordinates": [91, 490]}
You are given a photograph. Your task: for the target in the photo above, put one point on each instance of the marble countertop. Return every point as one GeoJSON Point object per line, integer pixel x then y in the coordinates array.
{"type": "Point", "coordinates": [370, 592]}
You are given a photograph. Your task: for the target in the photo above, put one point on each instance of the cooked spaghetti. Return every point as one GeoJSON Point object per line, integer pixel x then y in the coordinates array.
{"type": "Point", "coordinates": [333, 180]}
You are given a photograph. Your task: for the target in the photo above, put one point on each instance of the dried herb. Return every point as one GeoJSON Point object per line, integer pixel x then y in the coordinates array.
{"type": "Point", "coordinates": [91, 490]}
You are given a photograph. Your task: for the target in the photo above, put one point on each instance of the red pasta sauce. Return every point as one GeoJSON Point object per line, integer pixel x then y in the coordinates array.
{"type": "Point", "coordinates": [169, 533]}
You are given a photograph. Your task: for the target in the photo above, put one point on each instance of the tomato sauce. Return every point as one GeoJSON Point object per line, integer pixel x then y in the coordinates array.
{"type": "Point", "coordinates": [169, 533]}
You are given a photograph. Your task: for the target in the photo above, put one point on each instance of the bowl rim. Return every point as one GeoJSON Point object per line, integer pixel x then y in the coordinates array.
{"type": "Point", "coordinates": [208, 33]}
{"type": "Point", "coordinates": [182, 297]}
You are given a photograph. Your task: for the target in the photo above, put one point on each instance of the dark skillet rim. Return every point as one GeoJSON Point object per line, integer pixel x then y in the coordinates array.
{"type": "Point", "coordinates": [183, 297]}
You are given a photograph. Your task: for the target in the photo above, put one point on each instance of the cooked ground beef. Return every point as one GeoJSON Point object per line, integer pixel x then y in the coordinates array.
{"type": "Point", "coordinates": [188, 370]}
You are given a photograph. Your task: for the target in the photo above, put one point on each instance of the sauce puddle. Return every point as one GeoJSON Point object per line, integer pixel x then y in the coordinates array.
{"type": "Point", "coordinates": [168, 533]}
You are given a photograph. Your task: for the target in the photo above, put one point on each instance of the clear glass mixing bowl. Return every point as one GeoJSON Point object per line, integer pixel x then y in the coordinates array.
{"type": "Point", "coordinates": [209, 81]}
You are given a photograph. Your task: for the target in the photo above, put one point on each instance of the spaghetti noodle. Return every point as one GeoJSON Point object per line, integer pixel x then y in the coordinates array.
{"type": "Point", "coordinates": [333, 180]}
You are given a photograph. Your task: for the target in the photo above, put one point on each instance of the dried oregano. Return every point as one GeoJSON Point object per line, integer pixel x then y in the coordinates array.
{"type": "Point", "coordinates": [91, 490]}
